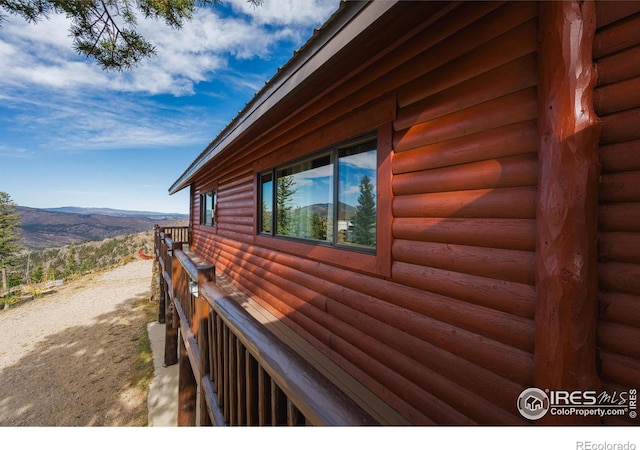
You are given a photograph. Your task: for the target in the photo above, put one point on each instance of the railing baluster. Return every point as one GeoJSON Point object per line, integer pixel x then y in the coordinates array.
{"type": "Point", "coordinates": [225, 373]}
{"type": "Point", "coordinates": [213, 339]}
{"type": "Point", "coordinates": [278, 416]}
{"type": "Point", "coordinates": [251, 368]}
{"type": "Point", "coordinates": [241, 384]}
{"type": "Point", "coordinates": [232, 380]}
{"type": "Point", "coordinates": [264, 397]}
{"type": "Point", "coordinates": [202, 313]}
{"type": "Point", "coordinates": [219, 359]}
{"type": "Point", "coordinates": [187, 391]}
{"type": "Point", "coordinates": [294, 417]}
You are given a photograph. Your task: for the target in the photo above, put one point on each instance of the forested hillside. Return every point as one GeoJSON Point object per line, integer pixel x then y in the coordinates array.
{"type": "Point", "coordinates": [43, 228]}
{"type": "Point", "coordinates": [46, 265]}
{"type": "Point", "coordinates": [74, 259]}
{"type": "Point", "coordinates": [64, 243]}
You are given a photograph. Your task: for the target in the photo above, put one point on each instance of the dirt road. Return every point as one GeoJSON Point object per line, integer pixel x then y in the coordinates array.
{"type": "Point", "coordinates": [72, 358]}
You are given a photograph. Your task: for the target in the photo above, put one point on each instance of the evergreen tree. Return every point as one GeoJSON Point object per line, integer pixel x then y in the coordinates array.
{"type": "Point", "coordinates": [319, 227]}
{"type": "Point", "coordinates": [105, 30]}
{"type": "Point", "coordinates": [10, 244]}
{"type": "Point", "coordinates": [297, 224]}
{"type": "Point", "coordinates": [266, 218]}
{"type": "Point", "coordinates": [70, 266]}
{"type": "Point", "coordinates": [36, 276]}
{"type": "Point", "coordinates": [10, 240]}
{"type": "Point", "coordinates": [49, 274]}
{"type": "Point", "coordinates": [285, 191]}
{"type": "Point", "coordinates": [364, 220]}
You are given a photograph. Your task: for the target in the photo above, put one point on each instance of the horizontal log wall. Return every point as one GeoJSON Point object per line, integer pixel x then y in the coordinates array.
{"type": "Point", "coordinates": [617, 102]}
{"type": "Point", "coordinates": [449, 338]}
{"type": "Point", "coordinates": [465, 168]}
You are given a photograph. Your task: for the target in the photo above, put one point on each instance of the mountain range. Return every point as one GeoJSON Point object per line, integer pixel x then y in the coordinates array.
{"type": "Point", "coordinates": [118, 213]}
{"type": "Point", "coordinates": [346, 211]}
{"type": "Point", "coordinates": [55, 227]}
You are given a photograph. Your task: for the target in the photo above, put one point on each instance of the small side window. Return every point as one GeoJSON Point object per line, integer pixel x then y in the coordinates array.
{"type": "Point", "coordinates": [208, 209]}
{"type": "Point", "coordinates": [266, 202]}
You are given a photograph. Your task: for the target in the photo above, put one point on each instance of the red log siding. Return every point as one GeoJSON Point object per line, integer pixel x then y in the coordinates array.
{"type": "Point", "coordinates": [465, 157]}
{"type": "Point", "coordinates": [449, 337]}
{"type": "Point", "coordinates": [617, 102]}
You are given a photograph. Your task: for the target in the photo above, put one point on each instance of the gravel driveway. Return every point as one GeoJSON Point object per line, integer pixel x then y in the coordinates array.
{"type": "Point", "coordinates": [70, 358]}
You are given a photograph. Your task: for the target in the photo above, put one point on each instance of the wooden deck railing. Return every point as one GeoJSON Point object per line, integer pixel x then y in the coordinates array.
{"type": "Point", "coordinates": [178, 234]}
{"type": "Point", "coordinates": [164, 238]}
{"type": "Point", "coordinates": [233, 370]}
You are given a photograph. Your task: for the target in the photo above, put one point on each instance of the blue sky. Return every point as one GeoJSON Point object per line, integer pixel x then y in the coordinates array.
{"type": "Point", "coordinates": [74, 135]}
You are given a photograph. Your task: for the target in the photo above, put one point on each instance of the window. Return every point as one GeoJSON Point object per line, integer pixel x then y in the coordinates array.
{"type": "Point", "coordinates": [266, 202]}
{"type": "Point", "coordinates": [208, 209]}
{"type": "Point", "coordinates": [329, 198]}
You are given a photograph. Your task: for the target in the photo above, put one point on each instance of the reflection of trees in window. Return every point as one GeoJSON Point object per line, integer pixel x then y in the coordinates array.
{"type": "Point", "coordinates": [297, 223]}
{"type": "Point", "coordinates": [266, 195]}
{"type": "Point", "coordinates": [364, 220]}
{"type": "Point", "coordinates": [308, 224]}
{"type": "Point", "coordinates": [284, 192]}
{"type": "Point", "coordinates": [266, 218]}
{"type": "Point", "coordinates": [319, 227]}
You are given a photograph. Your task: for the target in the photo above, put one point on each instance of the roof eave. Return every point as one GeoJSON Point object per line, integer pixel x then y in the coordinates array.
{"type": "Point", "coordinates": [351, 19]}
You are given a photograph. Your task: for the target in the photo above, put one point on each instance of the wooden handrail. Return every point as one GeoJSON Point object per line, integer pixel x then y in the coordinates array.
{"type": "Point", "coordinates": [317, 398]}
{"type": "Point", "coordinates": [193, 269]}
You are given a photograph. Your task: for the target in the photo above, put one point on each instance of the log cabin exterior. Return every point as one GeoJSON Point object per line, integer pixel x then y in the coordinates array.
{"type": "Point", "coordinates": [502, 143]}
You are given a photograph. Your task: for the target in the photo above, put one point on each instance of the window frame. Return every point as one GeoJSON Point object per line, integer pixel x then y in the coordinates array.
{"type": "Point", "coordinates": [376, 263]}
{"type": "Point", "coordinates": [203, 208]}
{"type": "Point", "coordinates": [333, 153]}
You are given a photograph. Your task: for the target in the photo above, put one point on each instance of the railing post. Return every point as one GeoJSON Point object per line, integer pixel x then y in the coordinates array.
{"type": "Point", "coordinates": [171, 324]}
{"type": "Point", "coordinates": [156, 239]}
{"type": "Point", "coordinates": [157, 278]}
{"type": "Point", "coordinates": [162, 307]}
{"type": "Point", "coordinates": [167, 252]}
{"type": "Point", "coordinates": [187, 390]}
{"type": "Point", "coordinates": [206, 274]}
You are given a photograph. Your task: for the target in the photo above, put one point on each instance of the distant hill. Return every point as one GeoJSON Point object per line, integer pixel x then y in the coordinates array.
{"type": "Point", "coordinates": [56, 227]}
{"type": "Point", "coordinates": [346, 211]}
{"type": "Point", "coordinates": [118, 213]}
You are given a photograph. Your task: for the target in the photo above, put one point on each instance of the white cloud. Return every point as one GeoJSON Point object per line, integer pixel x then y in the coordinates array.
{"type": "Point", "coordinates": [65, 75]}
{"type": "Point", "coordinates": [122, 124]}
{"type": "Point", "coordinates": [287, 12]}
{"type": "Point", "coordinates": [7, 51]}
{"type": "Point", "coordinates": [364, 160]}
{"type": "Point", "coordinates": [42, 54]}
{"type": "Point", "coordinates": [78, 123]}
{"type": "Point", "coordinates": [351, 190]}
{"type": "Point", "coordinates": [51, 33]}
{"type": "Point", "coordinates": [14, 152]}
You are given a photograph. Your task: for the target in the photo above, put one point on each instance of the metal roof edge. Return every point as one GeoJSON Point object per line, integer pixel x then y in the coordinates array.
{"type": "Point", "coordinates": [351, 19]}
